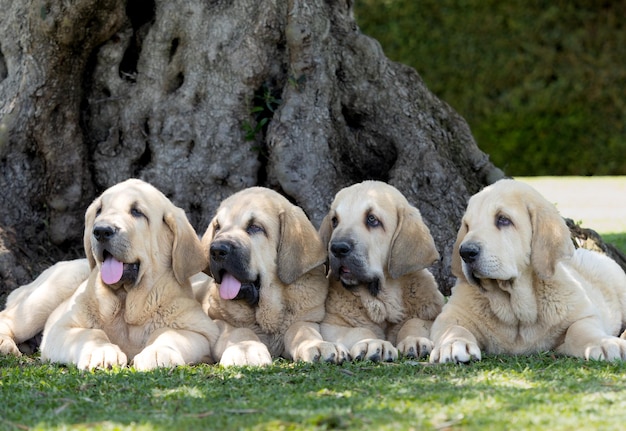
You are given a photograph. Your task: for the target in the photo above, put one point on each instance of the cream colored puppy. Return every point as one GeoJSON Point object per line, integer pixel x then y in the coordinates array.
{"type": "Point", "coordinates": [136, 304]}
{"type": "Point", "coordinates": [381, 296]}
{"type": "Point", "coordinates": [29, 306]}
{"type": "Point", "coordinates": [523, 288]}
{"type": "Point", "coordinates": [269, 286]}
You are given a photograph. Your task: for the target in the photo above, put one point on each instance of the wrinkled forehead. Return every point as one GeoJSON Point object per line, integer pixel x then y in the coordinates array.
{"type": "Point", "coordinates": [493, 202]}
{"type": "Point", "coordinates": [359, 199]}
{"type": "Point", "coordinates": [247, 207]}
{"type": "Point", "coordinates": [128, 195]}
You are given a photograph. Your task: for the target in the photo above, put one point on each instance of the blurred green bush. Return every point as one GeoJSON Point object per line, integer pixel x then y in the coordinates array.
{"type": "Point", "coordinates": [542, 84]}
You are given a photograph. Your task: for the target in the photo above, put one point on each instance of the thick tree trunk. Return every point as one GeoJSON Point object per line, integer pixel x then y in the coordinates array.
{"type": "Point", "coordinates": [203, 99]}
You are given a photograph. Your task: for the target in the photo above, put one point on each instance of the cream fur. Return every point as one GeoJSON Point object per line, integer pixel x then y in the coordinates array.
{"type": "Point", "coordinates": [528, 290]}
{"type": "Point", "coordinates": [285, 255]}
{"type": "Point", "coordinates": [390, 250]}
{"type": "Point", "coordinates": [150, 320]}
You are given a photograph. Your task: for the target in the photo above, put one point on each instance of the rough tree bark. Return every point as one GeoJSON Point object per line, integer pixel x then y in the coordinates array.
{"type": "Point", "coordinates": [203, 98]}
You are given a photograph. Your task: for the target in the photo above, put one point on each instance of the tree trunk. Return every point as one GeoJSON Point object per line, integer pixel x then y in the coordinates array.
{"type": "Point", "coordinates": [203, 99]}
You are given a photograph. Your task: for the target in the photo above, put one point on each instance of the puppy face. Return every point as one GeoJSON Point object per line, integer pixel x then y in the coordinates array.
{"type": "Point", "coordinates": [372, 232]}
{"type": "Point", "coordinates": [258, 238]}
{"type": "Point", "coordinates": [133, 232]}
{"type": "Point", "coordinates": [508, 231]}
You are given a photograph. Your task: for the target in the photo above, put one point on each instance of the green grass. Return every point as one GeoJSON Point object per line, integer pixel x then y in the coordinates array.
{"type": "Point", "coordinates": [538, 392]}
{"type": "Point", "coordinates": [617, 239]}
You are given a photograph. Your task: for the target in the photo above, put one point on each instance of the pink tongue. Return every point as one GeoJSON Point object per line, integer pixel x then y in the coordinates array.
{"type": "Point", "coordinates": [229, 288]}
{"type": "Point", "coordinates": [112, 270]}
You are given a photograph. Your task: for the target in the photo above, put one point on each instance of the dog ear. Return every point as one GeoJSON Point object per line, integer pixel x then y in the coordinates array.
{"type": "Point", "coordinates": [456, 264]}
{"type": "Point", "coordinates": [206, 244]}
{"type": "Point", "coordinates": [188, 255]}
{"type": "Point", "coordinates": [90, 217]}
{"type": "Point", "coordinates": [326, 230]}
{"type": "Point", "coordinates": [299, 247]}
{"type": "Point", "coordinates": [551, 240]}
{"type": "Point", "coordinates": [412, 245]}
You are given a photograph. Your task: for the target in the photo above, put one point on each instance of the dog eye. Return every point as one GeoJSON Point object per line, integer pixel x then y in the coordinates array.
{"type": "Point", "coordinates": [372, 221]}
{"type": "Point", "coordinates": [98, 211]}
{"type": "Point", "coordinates": [135, 212]}
{"type": "Point", "coordinates": [334, 222]}
{"type": "Point", "coordinates": [503, 221]}
{"type": "Point", "coordinates": [254, 229]}
{"type": "Point", "coordinates": [216, 226]}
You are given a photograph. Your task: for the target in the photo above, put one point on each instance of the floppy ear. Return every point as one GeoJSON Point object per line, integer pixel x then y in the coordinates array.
{"type": "Point", "coordinates": [188, 256]}
{"type": "Point", "coordinates": [326, 230]}
{"type": "Point", "coordinates": [299, 247]}
{"type": "Point", "coordinates": [412, 246]}
{"type": "Point", "coordinates": [551, 240]}
{"type": "Point", "coordinates": [206, 245]}
{"type": "Point", "coordinates": [456, 265]}
{"type": "Point", "coordinates": [90, 217]}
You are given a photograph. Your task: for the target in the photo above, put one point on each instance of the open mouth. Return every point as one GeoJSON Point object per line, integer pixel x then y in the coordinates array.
{"type": "Point", "coordinates": [114, 271]}
{"type": "Point", "coordinates": [231, 288]}
{"type": "Point", "coordinates": [347, 277]}
{"type": "Point", "coordinates": [350, 281]}
{"type": "Point", "coordinates": [344, 273]}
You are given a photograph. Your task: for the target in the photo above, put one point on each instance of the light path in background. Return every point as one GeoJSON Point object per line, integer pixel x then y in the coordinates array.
{"type": "Point", "coordinates": [598, 203]}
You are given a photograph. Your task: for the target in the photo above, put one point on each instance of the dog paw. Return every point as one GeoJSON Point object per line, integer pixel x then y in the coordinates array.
{"type": "Point", "coordinates": [104, 357]}
{"type": "Point", "coordinates": [322, 351]}
{"type": "Point", "coordinates": [157, 357]}
{"type": "Point", "coordinates": [246, 353]}
{"type": "Point", "coordinates": [8, 346]}
{"type": "Point", "coordinates": [456, 351]}
{"type": "Point", "coordinates": [374, 350]}
{"type": "Point", "coordinates": [415, 347]}
{"type": "Point", "coordinates": [608, 349]}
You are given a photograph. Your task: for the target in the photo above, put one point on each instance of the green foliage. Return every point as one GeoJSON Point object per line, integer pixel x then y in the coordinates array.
{"type": "Point", "coordinates": [264, 104]}
{"type": "Point", "coordinates": [500, 392]}
{"type": "Point", "coordinates": [617, 239]}
{"type": "Point", "coordinates": [541, 84]}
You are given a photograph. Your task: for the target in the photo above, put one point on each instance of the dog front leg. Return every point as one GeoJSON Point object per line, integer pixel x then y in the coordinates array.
{"type": "Point", "coordinates": [304, 342]}
{"type": "Point", "coordinates": [414, 338]}
{"type": "Point", "coordinates": [585, 338]}
{"type": "Point", "coordinates": [240, 346]}
{"type": "Point", "coordinates": [362, 343]}
{"type": "Point", "coordinates": [169, 347]}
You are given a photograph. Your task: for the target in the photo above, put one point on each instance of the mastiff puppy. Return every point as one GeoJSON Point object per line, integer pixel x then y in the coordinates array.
{"type": "Point", "coordinates": [381, 296]}
{"type": "Point", "coordinates": [135, 305]}
{"type": "Point", "coordinates": [268, 283]}
{"type": "Point", "coordinates": [523, 288]}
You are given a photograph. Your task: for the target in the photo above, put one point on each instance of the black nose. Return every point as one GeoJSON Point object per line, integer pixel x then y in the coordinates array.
{"type": "Point", "coordinates": [340, 248]}
{"type": "Point", "coordinates": [220, 250]}
{"type": "Point", "coordinates": [103, 233]}
{"type": "Point", "coordinates": [469, 252]}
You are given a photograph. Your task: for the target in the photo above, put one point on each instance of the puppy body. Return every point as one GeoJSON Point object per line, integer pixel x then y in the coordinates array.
{"type": "Point", "coordinates": [522, 288]}
{"type": "Point", "coordinates": [29, 306]}
{"type": "Point", "coordinates": [268, 288]}
{"type": "Point", "coordinates": [136, 303]}
{"type": "Point", "coordinates": [381, 297]}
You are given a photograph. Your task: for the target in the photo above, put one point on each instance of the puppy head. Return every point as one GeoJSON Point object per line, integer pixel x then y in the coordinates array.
{"type": "Point", "coordinates": [509, 229]}
{"type": "Point", "coordinates": [134, 233]}
{"type": "Point", "coordinates": [257, 236]}
{"type": "Point", "coordinates": [371, 231]}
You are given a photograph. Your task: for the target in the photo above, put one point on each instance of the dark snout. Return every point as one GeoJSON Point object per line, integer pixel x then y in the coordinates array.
{"type": "Point", "coordinates": [104, 232]}
{"type": "Point", "coordinates": [469, 252]}
{"type": "Point", "coordinates": [220, 250]}
{"type": "Point", "coordinates": [341, 247]}
{"type": "Point", "coordinates": [227, 255]}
